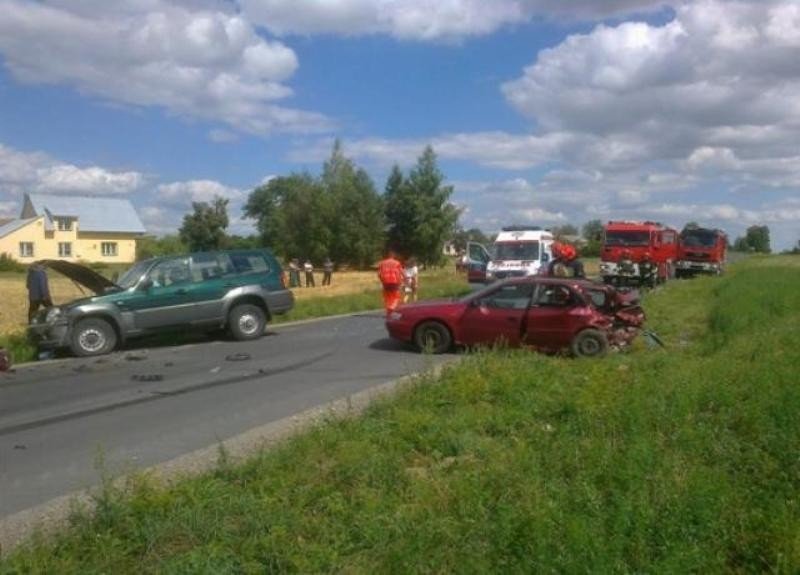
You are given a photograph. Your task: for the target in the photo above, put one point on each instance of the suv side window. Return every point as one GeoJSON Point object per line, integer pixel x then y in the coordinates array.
{"type": "Point", "coordinates": [250, 263]}
{"type": "Point", "coordinates": [207, 266]}
{"type": "Point", "coordinates": [170, 272]}
{"type": "Point", "coordinates": [513, 296]}
{"type": "Point", "coordinates": [554, 296]}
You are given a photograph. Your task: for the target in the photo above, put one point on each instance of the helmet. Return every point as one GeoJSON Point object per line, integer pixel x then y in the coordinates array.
{"type": "Point", "coordinates": [557, 247]}
{"type": "Point", "coordinates": [568, 252]}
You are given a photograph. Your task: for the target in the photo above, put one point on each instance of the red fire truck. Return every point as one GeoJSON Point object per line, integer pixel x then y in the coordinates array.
{"type": "Point", "coordinates": [638, 253]}
{"type": "Point", "coordinates": [701, 251]}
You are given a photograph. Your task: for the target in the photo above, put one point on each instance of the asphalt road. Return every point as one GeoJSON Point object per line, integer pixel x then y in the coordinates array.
{"type": "Point", "coordinates": [137, 408]}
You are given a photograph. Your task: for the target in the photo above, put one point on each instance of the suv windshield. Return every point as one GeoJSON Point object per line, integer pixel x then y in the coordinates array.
{"type": "Point", "coordinates": [516, 250]}
{"type": "Point", "coordinates": [130, 277]}
{"type": "Point", "coordinates": [699, 238]}
{"type": "Point", "coordinates": [627, 238]}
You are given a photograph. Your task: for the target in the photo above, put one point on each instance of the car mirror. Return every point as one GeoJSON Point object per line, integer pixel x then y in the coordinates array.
{"type": "Point", "coordinates": [145, 284]}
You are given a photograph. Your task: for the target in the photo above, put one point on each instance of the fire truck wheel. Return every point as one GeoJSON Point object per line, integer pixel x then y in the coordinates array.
{"type": "Point", "coordinates": [590, 343]}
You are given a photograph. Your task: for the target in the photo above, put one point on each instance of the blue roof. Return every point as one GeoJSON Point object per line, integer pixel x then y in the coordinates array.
{"type": "Point", "coordinates": [94, 214]}
{"type": "Point", "coordinates": [14, 225]}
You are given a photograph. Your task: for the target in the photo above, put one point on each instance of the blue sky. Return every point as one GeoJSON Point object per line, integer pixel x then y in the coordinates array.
{"type": "Point", "coordinates": [540, 111]}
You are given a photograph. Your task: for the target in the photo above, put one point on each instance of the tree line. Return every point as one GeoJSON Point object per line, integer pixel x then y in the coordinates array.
{"type": "Point", "coordinates": [339, 214]}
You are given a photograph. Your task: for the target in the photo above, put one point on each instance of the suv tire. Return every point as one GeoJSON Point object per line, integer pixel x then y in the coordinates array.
{"type": "Point", "coordinates": [247, 321]}
{"type": "Point", "coordinates": [590, 343]}
{"type": "Point", "coordinates": [92, 336]}
{"type": "Point", "coordinates": [433, 337]}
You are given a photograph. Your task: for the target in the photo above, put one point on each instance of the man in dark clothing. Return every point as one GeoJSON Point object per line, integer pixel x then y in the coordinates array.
{"type": "Point", "coordinates": [327, 269]}
{"type": "Point", "coordinates": [38, 290]}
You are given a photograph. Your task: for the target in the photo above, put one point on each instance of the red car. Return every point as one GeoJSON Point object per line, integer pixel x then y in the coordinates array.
{"type": "Point", "coordinates": [547, 314]}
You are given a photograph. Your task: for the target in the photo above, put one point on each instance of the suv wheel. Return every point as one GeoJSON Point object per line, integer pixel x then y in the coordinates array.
{"type": "Point", "coordinates": [590, 343]}
{"type": "Point", "coordinates": [247, 321]}
{"type": "Point", "coordinates": [92, 336]}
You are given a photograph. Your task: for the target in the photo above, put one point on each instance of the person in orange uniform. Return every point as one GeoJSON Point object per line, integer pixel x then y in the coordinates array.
{"type": "Point", "coordinates": [390, 273]}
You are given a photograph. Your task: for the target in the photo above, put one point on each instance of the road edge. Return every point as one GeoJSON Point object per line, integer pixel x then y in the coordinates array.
{"type": "Point", "coordinates": [49, 518]}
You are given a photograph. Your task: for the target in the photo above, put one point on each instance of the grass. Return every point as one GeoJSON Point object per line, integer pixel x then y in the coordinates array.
{"type": "Point", "coordinates": [676, 460]}
{"type": "Point", "coordinates": [349, 292]}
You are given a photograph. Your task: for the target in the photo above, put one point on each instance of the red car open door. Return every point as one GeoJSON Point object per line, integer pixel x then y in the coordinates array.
{"type": "Point", "coordinates": [497, 315]}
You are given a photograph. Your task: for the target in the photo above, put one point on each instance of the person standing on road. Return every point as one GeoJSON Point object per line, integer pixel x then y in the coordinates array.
{"type": "Point", "coordinates": [390, 274]}
{"type": "Point", "coordinates": [38, 290]}
{"type": "Point", "coordinates": [309, 269]}
{"type": "Point", "coordinates": [327, 270]}
{"type": "Point", "coordinates": [410, 280]}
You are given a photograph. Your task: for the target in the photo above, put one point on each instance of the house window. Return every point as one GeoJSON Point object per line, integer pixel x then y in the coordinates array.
{"type": "Point", "coordinates": [108, 249]}
{"type": "Point", "coordinates": [65, 249]}
{"type": "Point", "coordinates": [26, 249]}
{"type": "Point", "coordinates": [64, 224]}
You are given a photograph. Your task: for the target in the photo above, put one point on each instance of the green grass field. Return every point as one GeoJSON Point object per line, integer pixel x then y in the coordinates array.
{"type": "Point", "coordinates": [674, 460]}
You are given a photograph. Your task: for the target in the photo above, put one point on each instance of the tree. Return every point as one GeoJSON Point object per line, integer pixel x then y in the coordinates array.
{"type": "Point", "coordinates": [593, 231]}
{"type": "Point", "coordinates": [357, 218]}
{"type": "Point", "coordinates": [418, 211]}
{"type": "Point", "coordinates": [152, 247]}
{"type": "Point", "coordinates": [204, 228]}
{"type": "Point", "coordinates": [462, 236]}
{"type": "Point", "coordinates": [758, 239]}
{"type": "Point", "coordinates": [741, 245]}
{"type": "Point", "coordinates": [565, 230]}
{"type": "Point", "coordinates": [292, 216]}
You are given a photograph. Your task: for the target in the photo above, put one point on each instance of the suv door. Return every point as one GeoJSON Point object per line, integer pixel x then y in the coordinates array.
{"type": "Point", "coordinates": [497, 315]}
{"type": "Point", "coordinates": [164, 297]}
{"type": "Point", "coordinates": [213, 276]}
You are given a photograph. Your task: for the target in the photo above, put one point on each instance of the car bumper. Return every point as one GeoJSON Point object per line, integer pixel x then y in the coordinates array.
{"type": "Point", "coordinates": [49, 336]}
{"type": "Point", "coordinates": [707, 267]}
{"type": "Point", "coordinates": [279, 301]}
{"type": "Point", "coordinates": [400, 330]}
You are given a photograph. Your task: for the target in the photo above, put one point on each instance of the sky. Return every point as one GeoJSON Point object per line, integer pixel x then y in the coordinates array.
{"type": "Point", "coordinates": [541, 112]}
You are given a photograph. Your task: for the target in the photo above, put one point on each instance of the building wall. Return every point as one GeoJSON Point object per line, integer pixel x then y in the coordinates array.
{"type": "Point", "coordinates": [86, 247]}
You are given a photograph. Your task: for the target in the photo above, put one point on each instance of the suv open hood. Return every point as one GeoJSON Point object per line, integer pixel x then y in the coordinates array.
{"type": "Point", "coordinates": [82, 275]}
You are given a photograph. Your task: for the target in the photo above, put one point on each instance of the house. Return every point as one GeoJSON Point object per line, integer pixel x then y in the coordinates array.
{"type": "Point", "coordinates": [75, 228]}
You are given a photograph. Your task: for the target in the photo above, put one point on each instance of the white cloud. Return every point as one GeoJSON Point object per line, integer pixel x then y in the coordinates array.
{"type": "Point", "coordinates": [184, 193]}
{"type": "Point", "coordinates": [424, 19]}
{"type": "Point", "coordinates": [718, 86]}
{"type": "Point", "coordinates": [197, 60]}
{"type": "Point", "coordinates": [36, 172]}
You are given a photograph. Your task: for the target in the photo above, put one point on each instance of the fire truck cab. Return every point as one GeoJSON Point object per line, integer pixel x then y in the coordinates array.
{"type": "Point", "coordinates": [638, 253]}
{"type": "Point", "coordinates": [701, 251]}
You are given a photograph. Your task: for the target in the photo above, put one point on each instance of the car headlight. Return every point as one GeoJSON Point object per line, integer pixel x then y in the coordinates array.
{"type": "Point", "coordinates": [53, 314]}
{"type": "Point", "coordinates": [395, 316]}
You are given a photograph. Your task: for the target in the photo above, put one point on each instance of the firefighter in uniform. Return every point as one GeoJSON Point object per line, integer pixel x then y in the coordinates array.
{"type": "Point", "coordinates": [565, 262]}
{"type": "Point", "coordinates": [390, 274]}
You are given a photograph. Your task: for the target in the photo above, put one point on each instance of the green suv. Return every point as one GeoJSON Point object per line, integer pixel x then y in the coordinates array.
{"type": "Point", "coordinates": [240, 290]}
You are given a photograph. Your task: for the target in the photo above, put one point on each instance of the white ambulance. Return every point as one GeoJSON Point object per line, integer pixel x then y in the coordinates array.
{"type": "Point", "coordinates": [518, 251]}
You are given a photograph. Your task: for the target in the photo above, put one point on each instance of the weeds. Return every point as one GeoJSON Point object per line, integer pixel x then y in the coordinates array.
{"type": "Point", "coordinates": [677, 460]}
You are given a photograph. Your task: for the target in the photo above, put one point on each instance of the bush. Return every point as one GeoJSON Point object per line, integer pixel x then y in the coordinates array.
{"type": "Point", "coordinates": [9, 264]}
